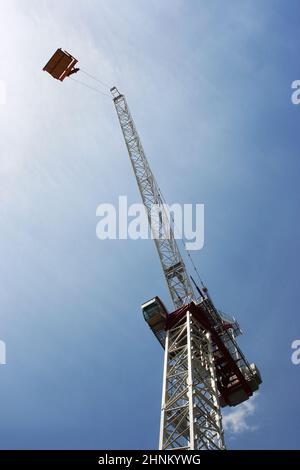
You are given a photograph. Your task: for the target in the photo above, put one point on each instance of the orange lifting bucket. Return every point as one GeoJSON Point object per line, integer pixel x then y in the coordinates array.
{"type": "Point", "coordinates": [61, 65]}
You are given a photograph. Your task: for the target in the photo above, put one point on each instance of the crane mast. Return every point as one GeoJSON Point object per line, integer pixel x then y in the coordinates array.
{"type": "Point", "coordinates": [178, 281]}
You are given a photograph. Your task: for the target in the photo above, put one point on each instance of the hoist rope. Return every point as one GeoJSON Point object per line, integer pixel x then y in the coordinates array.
{"type": "Point", "coordinates": [90, 87]}
{"type": "Point", "coordinates": [96, 79]}
{"type": "Point", "coordinates": [183, 243]}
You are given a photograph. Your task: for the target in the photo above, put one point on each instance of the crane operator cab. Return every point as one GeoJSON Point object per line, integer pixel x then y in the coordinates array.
{"type": "Point", "coordinates": [155, 314]}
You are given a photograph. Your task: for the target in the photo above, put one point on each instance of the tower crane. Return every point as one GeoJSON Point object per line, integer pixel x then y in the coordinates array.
{"type": "Point", "coordinates": [204, 368]}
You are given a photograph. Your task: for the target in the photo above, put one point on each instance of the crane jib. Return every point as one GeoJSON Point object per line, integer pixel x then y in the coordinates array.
{"type": "Point", "coordinates": [174, 269]}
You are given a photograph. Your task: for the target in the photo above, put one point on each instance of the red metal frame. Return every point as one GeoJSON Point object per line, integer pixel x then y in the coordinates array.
{"type": "Point", "coordinates": [229, 376]}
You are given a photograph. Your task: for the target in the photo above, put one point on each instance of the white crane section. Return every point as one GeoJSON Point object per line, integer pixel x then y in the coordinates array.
{"type": "Point", "coordinates": [172, 263]}
{"type": "Point", "coordinates": [190, 414]}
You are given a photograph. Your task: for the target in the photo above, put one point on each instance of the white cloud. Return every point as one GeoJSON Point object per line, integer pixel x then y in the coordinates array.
{"type": "Point", "coordinates": [236, 421]}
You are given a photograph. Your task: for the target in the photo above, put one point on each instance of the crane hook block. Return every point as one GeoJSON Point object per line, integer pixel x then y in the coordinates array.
{"type": "Point", "coordinates": [61, 65]}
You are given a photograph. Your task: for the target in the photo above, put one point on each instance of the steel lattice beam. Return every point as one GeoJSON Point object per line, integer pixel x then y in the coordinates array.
{"type": "Point", "coordinates": [172, 263]}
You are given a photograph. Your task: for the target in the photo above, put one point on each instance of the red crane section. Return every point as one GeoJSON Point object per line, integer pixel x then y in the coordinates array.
{"type": "Point", "coordinates": [237, 380]}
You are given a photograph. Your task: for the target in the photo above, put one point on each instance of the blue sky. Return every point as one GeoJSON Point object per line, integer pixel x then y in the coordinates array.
{"type": "Point", "coordinates": [210, 90]}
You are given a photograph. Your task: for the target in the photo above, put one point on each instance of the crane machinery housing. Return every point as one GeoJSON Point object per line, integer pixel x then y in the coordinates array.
{"type": "Point", "coordinates": [204, 368]}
